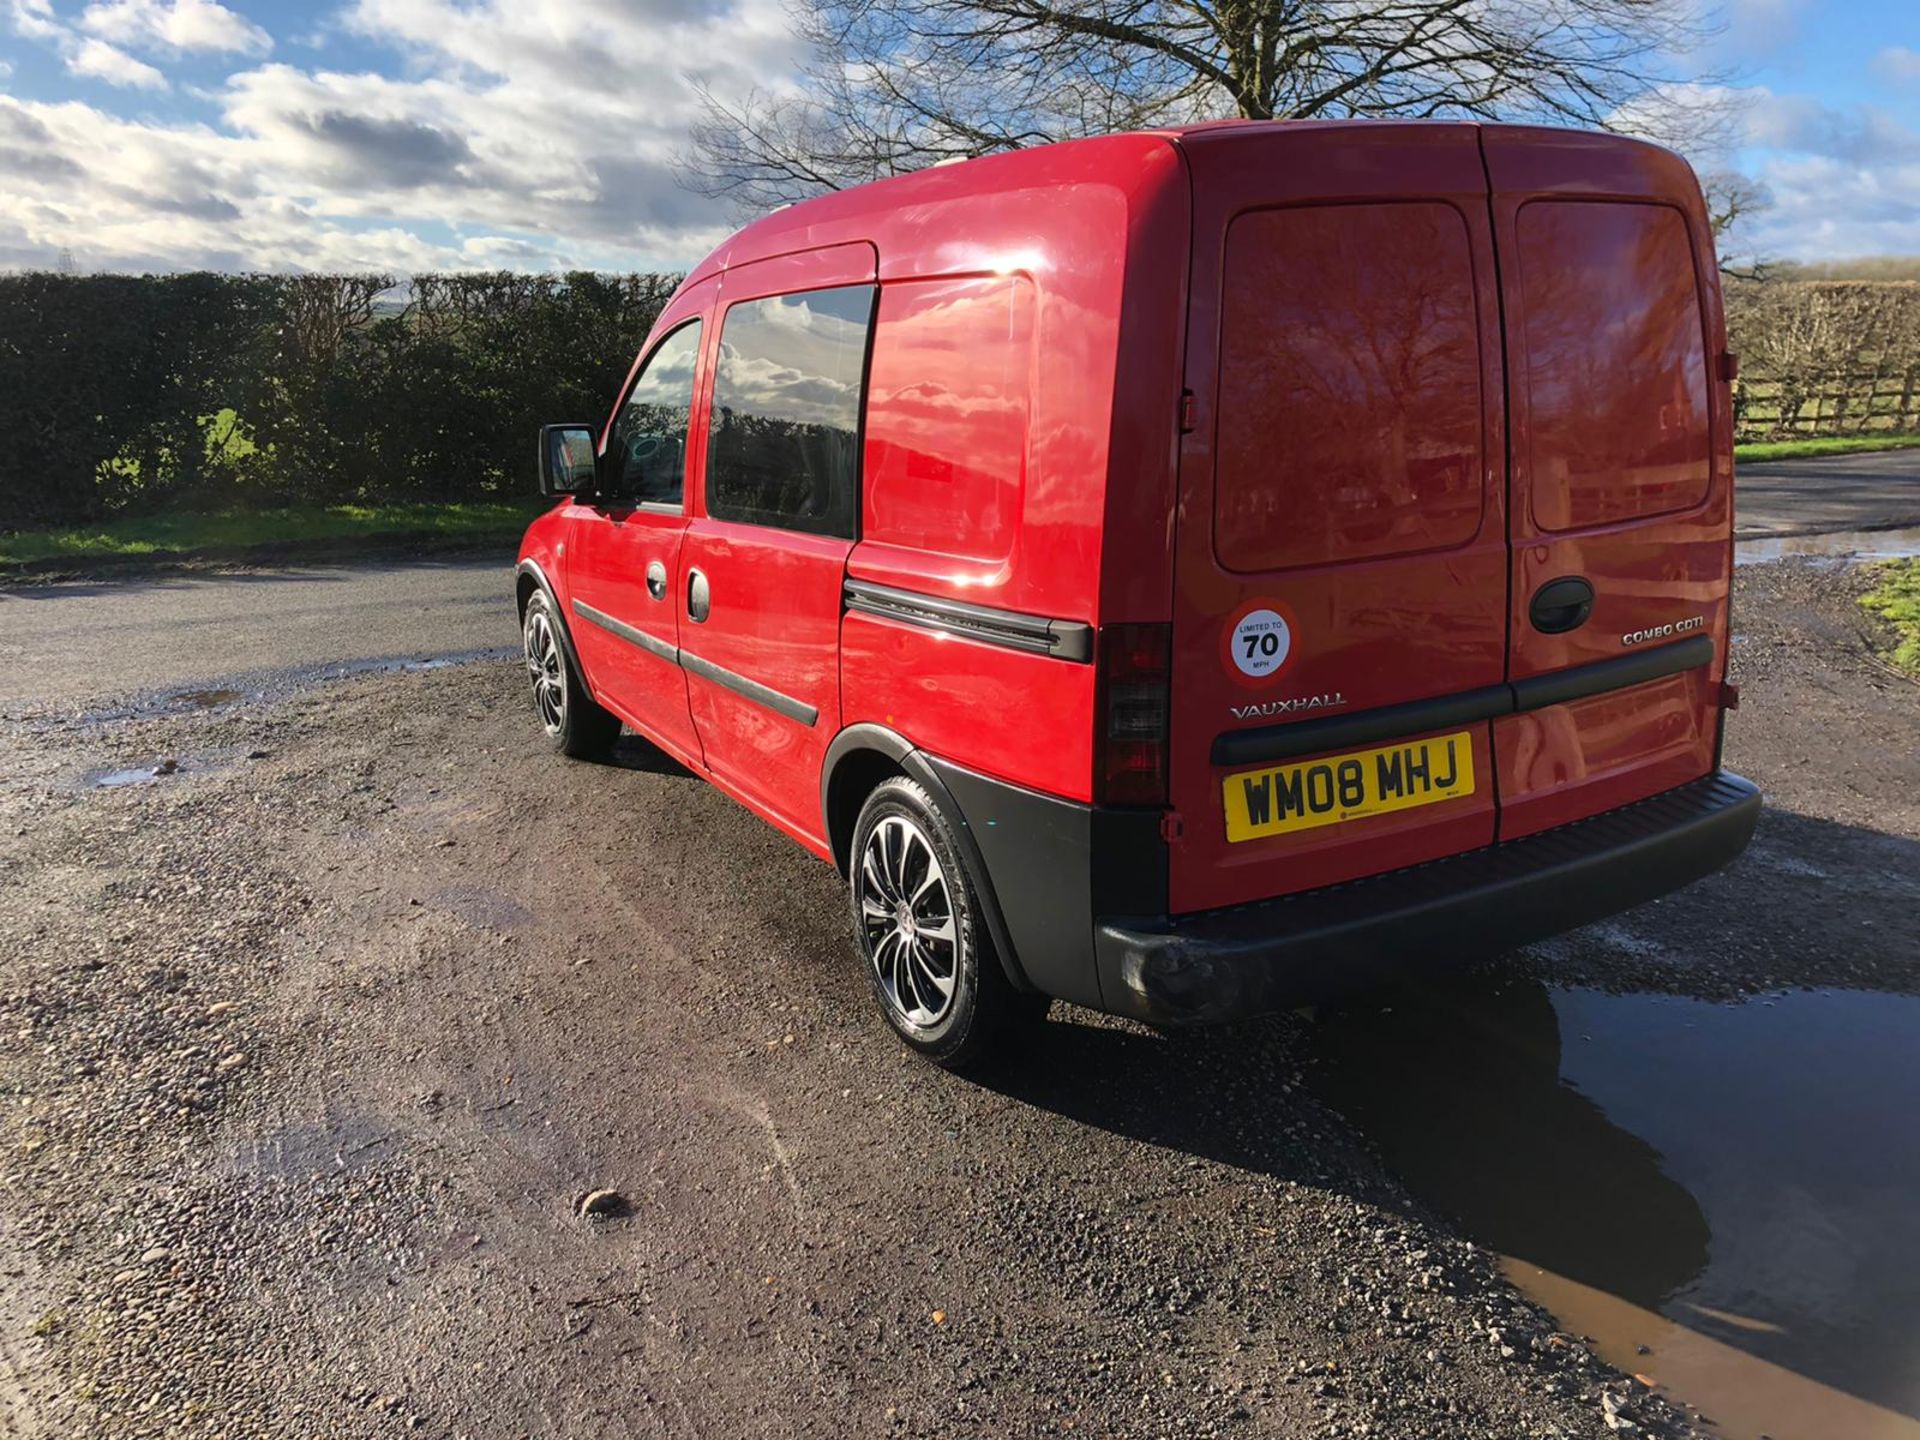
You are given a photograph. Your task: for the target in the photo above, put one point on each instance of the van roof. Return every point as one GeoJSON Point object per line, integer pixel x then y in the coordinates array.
{"type": "Point", "coordinates": [861, 212]}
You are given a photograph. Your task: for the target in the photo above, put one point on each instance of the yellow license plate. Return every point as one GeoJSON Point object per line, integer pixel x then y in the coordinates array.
{"type": "Point", "coordinates": [1347, 787]}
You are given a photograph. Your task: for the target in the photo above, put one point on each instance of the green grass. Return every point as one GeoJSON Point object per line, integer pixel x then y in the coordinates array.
{"type": "Point", "coordinates": [332, 525]}
{"type": "Point", "coordinates": [1896, 599]}
{"type": "Point", "coordinates": [1828, 445]}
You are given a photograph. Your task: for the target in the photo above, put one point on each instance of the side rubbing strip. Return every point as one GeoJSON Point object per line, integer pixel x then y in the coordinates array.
{"type": "Point", "coordinates": [740, 685]}
{"type": "Point", "coordinates": [648, 643]}
{"type": "Point", "coordinates": [1538, 691]}
{"type": "Point", "coordinates": [1062, 639]}
{"type": "Point", "coordinates": [1390, 722]}
{"type": "Point", "coordinates": [752, 689]}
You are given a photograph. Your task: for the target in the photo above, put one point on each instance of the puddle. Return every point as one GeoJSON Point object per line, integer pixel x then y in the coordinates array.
{"type": "Point", "coordinates": [157, 768]}
{"type": "Point", "coordinates": [205, 699]}
{"type": "Point", "coordinates": [136, 775]}
{"type": "Point", "coordinates": [1847, 545]}
{"type": "Point", "coordinates": [1730, 1186]}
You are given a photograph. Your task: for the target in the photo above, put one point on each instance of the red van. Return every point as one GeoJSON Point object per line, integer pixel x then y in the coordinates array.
{"type": "Point", "coordinates": [1181, 573]}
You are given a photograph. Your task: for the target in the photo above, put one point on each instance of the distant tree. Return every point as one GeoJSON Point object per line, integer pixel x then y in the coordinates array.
{"type": "Point", "coordinates": [896, 85]}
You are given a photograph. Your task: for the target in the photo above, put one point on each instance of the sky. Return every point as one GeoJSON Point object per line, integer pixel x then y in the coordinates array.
{"type": "Point", "coordinates": [411, 135]}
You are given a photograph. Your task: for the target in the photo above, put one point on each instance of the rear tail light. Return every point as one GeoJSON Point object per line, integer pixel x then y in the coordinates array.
{"type": "Point", "coordinates": [1132, 704]}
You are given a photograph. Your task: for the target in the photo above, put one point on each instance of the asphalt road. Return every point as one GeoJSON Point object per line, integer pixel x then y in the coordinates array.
{"type": "Point", "coordinates": [1843, 492]}
{"type": "Point", "coordinates": [80, 643]}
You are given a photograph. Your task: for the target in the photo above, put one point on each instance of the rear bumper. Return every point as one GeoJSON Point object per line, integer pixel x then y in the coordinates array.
{"type": "Point", "coordinates": [1255, 959]}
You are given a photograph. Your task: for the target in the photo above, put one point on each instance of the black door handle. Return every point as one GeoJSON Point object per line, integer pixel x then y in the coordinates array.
{"type": "Point", "coordinates": [1561, 605]}
{"type": "Point", "coordinates": [656, 580]}
{"type": "Point", "coordinates": [699, 598]}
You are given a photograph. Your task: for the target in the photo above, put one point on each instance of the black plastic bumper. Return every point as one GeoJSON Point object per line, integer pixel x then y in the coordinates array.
{"type": "Point", "coordinates": [1255, 959]}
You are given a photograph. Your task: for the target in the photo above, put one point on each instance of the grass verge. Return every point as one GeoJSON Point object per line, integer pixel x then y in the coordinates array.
{"type": "Point", "coordinates": [1763, 450]}
{"type": "Point", "coordinates": [187, 535]}
{"type": "Point", "coordinates": [1896, 600]}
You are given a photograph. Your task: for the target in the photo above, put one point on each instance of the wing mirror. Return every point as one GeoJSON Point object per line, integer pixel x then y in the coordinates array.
{"type": "Point", "coordinates": [568, 462]}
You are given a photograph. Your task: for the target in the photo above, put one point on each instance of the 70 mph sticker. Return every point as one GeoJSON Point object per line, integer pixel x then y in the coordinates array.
{"type": "Point", "coordinates": [1260, 640]}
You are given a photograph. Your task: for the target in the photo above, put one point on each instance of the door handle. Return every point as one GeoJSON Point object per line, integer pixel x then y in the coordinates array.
{"type": "Point", "coordinates": [656, 580]}
{"type": "Point", "coordinates": [699, 597]}
{"type": "Point", "coordinates": [1561, 605]}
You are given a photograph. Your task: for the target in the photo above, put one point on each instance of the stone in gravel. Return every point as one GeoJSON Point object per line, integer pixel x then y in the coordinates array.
{"type": "Point", "coordinates": [155, 1256]}
{"type": "Point", "coordinates": [603, 1202]}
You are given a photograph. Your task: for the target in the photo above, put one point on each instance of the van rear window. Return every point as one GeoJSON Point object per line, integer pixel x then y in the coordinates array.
{"type": "Point", "coordinates": [785, 446]}
{"type": "Point", "coordinates": [947, 415]}
{"type": "Point", "coordinates": [1616, 369]}
{"type": "Point", "coordinates": [1350, 409]}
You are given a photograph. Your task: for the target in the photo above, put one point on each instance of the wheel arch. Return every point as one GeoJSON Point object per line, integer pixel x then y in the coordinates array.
{"type": "Point", "coordinates": [529, 578]}
{"type": "Point", "coordinates": [863, 755]}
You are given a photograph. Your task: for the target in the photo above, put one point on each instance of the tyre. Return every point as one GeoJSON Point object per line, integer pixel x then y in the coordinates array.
{"type": "Point", "coordinates": [916, 919]}
{"type": "Point", "coordinates": [574, 723]}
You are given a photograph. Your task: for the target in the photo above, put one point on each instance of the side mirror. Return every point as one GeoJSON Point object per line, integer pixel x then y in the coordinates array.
{"type": "Point", "coordinates": [568, 464]}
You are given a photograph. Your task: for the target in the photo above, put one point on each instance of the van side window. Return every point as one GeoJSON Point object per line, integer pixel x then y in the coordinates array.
{"type": "Point", "coordinates": [785, 444]}
{"type": "Point", "coordinates": [650, 437]}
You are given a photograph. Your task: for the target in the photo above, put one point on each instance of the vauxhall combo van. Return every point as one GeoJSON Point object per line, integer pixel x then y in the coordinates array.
{"type": "Point", "coordinates": [1187, 574]}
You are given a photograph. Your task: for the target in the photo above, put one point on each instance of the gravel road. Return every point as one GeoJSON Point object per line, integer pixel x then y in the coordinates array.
{"type": "Point", "coordinates": [311, 1049]}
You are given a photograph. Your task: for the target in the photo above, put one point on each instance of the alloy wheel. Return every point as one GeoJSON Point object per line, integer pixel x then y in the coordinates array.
{"type": "Point", "coordinates": [907, 922]}
{"type": "Point", "coordinates": [546, 667]}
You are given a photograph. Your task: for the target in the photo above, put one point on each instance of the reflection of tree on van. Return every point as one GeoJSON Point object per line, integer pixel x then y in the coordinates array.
{"type": "Point", "coordinates": [767, 466]}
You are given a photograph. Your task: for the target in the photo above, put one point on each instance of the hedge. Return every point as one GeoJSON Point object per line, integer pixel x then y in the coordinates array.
{"type": "Point", "coordinates": [128, 395]}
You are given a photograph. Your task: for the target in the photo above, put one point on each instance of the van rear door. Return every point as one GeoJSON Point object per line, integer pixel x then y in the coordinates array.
{"type": "Point", "coordinates": [1621, 487]}
{"type": "Point", "coordinates": [1341, 540]}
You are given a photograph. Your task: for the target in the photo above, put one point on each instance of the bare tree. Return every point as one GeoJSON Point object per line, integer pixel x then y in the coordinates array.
{"type": "Point", "coordinates": [896, 85]}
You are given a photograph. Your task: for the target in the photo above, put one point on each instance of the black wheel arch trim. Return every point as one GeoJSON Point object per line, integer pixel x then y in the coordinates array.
{"type": "Point", "coordinates": [867, 738]}
{"type": "Point", "coordinates": [545, 586]}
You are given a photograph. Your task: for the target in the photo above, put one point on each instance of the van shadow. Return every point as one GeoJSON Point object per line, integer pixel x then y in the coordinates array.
{"type": "Point", "coordinates": [1457, 1084]}
{"type": "Point", "coordinates": [632, 752]}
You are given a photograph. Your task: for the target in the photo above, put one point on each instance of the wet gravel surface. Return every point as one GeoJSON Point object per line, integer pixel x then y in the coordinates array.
{"type": "Point", "coordinates": [312, 1049]}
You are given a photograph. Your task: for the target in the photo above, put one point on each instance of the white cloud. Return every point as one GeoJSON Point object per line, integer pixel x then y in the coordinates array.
{"type": "Point", "coordinates": [113, 65]}
{"type": "Point", "coordinates": [1898, 65]}
{"type": "Point", "coordinates": [1844, 182]}
{"type": "Point", "coordinates": [178, 26]}
{"type": "Point", "coordinates": [526, 134]}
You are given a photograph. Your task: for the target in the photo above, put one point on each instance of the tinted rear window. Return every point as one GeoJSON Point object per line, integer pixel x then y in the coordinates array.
{"type": "Point", "coordinates": [1616, 370]}
{"type": "Point", "coordinates": [1350, 414]}
{"type": "Point", "coordinates": [786, 411]}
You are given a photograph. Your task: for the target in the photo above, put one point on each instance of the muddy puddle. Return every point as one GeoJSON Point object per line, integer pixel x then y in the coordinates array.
{"type": "Point", "coordinates": [1846, 545]}
{"type": "Point", "coordinates": [1724, 1198]}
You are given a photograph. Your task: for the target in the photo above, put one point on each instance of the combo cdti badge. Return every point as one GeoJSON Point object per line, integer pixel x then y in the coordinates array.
{"type": "Point", "coordinates": [1181, 573]}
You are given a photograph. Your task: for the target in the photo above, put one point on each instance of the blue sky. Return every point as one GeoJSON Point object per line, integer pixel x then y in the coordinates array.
{"type": "Point", "coordinates": [433, 134]}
